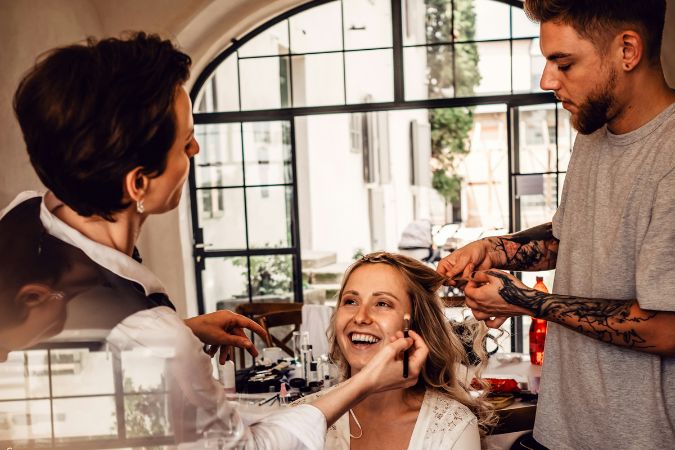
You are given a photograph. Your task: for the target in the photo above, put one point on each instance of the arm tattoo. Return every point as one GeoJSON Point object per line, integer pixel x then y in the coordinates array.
{"type": "Point", "coordinates": [606, 320]}
{"type": "Point", "coordinates": [532, 249]}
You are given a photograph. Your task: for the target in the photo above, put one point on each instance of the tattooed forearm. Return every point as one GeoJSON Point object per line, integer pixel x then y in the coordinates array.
{"type": "Point", "coordinates": [613, 321]}
{"type": "Point", "coordinates": [532, 249]}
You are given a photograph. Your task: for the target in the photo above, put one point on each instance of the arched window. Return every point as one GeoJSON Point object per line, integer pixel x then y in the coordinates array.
{"type": "Point", "coordinates": [330, 128]}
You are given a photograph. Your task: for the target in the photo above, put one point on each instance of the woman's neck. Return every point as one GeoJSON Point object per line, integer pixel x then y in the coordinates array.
{"type": "Point", "coordinates": [121, 234]}
{"type": "Point", "coordinates": [390, 403]}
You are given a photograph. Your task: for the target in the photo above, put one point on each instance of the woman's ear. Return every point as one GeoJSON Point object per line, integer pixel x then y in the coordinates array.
{"type": "Point", "coordinates": [136, 184]}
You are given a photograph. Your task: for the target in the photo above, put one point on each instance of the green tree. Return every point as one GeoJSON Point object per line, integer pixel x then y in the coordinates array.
{"type": "Point", "coordinates": [450, 127]}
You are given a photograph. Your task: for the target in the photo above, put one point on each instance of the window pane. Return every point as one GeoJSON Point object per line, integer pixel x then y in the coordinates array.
{"type": "Point", "coordinates": [522, 26]}
{"type": "Point", "coordinates": [267, 150]}
{"type": "Point", "coordinates": [528, 65]}
{"type": "Point", "coordinates": [318, 79]}
{"type": "Point", "coordinates": [265, 83]}
{"type": "Point", "coordinates": [428, 72]}
{"type": "Point", "coordinates": [272, 277]}
{"type": "Point", "coordinates": [537, 196]}
{"type": "Point", "coordinates": [221, 216]}
{"type": "Point", "coordinates": [85, 418]}
{"type": "Point", "coordinates": [427, 22]}
{"type": "Point", "coordinates": [218, 162]}
{"type": "Point", "coordinates": [221, 90]}
{"type": "Point", "coordinates": [143, 371]}
{"type": "Point", "coordinates": [225, 283]}
{"type": "Point", "coordinates": [81, 372]}
{"type": "Point", "coordinates": [561, 184]}
{"type": "Point", "coordinates": [269, 216]}
{"type": "Point", "coordinates": [537, 150]}
{"type": "Point", "coordinates": [24, 375]}
{"type": "Point", "coordinates": [273, 41]}
{"type": "Point", "coordinates": [146, 415]}
{"type": "Point", "coordinates": [370, 76]}
{"type": "Point", "coordinates": [317, 30]}
{"type": "Point", "coordinates": [367, 24]}
{"type": "Point", "coordinates": [566, 136]}
{"type": "Point", "coordinates": [481, 20]}
{"type": "Point", "coordinates": [26, 421]}
{"type": "Point", "coordinates": [494, 67]}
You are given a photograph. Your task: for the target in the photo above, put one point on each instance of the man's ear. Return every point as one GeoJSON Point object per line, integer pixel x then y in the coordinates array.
{"type": "Point", "coordinates": [632, 49]}
{"type": "Point", "coordinates": [34, 294]}
{"type": "Point", "coordinates": [136, 184]}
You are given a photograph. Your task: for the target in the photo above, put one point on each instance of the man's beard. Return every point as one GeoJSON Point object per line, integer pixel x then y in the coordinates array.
{"type": "Point", "coordinates": [594, 112]}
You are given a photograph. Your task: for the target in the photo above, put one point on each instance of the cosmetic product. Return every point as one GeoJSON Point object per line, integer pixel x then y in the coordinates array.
{"type": "Point", "coordinates": [226, 374]}
{"type": "Point", "coordinates": [406, 328]}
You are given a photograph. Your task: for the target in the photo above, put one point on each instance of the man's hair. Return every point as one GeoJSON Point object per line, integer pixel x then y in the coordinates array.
{"type": "Point", "coordinates": [600, 20]}
{"type": "Point", "coordinates": [91, 113]}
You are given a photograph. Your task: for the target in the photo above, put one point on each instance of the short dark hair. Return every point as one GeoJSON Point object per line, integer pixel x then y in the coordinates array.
{"type": "Point", "coordinates": [599, 20]}
{"type": "Point", "coordinates": [92, 112]}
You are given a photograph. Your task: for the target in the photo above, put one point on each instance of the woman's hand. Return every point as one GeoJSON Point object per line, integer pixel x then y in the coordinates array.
{"type": "Point", "coordinates": [224, 330]}
{"type": "Point", "coordinates": [385, 370]}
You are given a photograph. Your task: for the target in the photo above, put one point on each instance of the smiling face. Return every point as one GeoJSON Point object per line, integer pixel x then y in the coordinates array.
{"type": "Point", "coordinates": [583, 79]}
{"type": "Point", "coordinates": [371, 309]}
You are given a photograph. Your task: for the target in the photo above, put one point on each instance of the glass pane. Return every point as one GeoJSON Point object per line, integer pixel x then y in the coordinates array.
{"type": "Point", "coordinates": [481, 20]}
{"type": "Point", "coordinates": [225, 283]}
{"type": "Point", "coordinates": [522, 26]}
{"type": "Point", "coordinates": [221, 217]}
{"type": "Point", "coordinates": [537, 151]}
{"type": "Point", "coordinates": [24, 375]}
{"type": "Point", "coordinates": [143, 371]}
{"type": "Point", "coordinates": [265, 83]}
{"type": "Point", "coordinates": [566, 136]}
{"type": "Point", "coordinates": [146, 415]}
{"type": "Point", "coordinates": [273, 41]}
{"type": "Point", "coordinates": [85, 418]}
{"type": "Point", "coordinates": [221, 91]}
{"type": "Point", "coordinates": [367, 24]}
{"type": "Point", "coordinates": [269, 216]}
{"type": "Point", "coordinates": [537, 195]}
{"type": "Point", "coordinates": [81, 372]}
{"type": "Point", "coordinates": [428, 72]}
{"type": "Point", "coordinates": [370, 76]}
{"type": "Point", "coordinates": [493, 60]}
{"type": "Point", "coordinates": [427, 22]}
{"type": "Point", "coordinates": [317, 30]}
{"type": "Point", "coordinates": [24, 421]}
{"type": "Point", "coordinates": [318, 79]}
{"type": "Point", "coordinates": [267, 151]}
{"type": "Point", "coordinates": [218, 162]}
{"type": "Point", "coordinates": [528, 65]}
{"type": "Point", "coordinates": [272, 277]}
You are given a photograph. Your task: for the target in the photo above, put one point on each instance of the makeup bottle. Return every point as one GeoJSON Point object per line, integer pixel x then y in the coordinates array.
{"type": "Point", "coordinates": [538, 331]}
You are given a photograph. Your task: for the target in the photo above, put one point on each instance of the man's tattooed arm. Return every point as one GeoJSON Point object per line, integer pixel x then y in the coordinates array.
{"type": "Point", "coordinates": [618, 322]}
{"type": "Point", "coordinates": [532, 249]}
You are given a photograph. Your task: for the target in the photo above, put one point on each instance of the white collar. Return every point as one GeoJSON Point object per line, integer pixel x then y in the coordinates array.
{"type": "Point", "coordinates": [117, 262]}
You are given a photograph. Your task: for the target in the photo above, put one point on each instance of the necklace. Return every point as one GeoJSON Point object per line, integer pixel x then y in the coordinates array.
{"type": "Point", "coordinates": [357, 424]}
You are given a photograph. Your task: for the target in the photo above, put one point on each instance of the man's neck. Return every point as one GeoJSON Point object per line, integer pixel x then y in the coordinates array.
{"type": "Point", "coordinates": [647, 96]}
{"type": "Point", "coordinates": [120, 235]}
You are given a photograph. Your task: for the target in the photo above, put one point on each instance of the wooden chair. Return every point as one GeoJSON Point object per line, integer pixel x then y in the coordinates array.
{"type": "Point", "coordinates": [256, 310]}
{"type": "Point", "coordinates": [281, 319]}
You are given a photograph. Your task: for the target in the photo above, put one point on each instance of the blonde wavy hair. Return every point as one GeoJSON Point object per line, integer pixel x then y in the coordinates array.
{"type": "Point", "coordinates": [441, 372]}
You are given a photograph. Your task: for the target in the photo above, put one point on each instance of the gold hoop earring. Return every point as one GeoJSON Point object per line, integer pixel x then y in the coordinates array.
{"type": "Point", "coordinates": [140, 207]}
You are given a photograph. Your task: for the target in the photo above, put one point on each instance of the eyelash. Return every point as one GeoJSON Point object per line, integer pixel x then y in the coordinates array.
{"type": "Point", "coordinates": [564, 68]}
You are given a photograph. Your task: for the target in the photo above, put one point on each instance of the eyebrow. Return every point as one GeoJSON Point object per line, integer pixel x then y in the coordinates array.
{"type": "Point", "coordinates": [353, 292]}
{"type": "Point", "coordinates": [558, 55]}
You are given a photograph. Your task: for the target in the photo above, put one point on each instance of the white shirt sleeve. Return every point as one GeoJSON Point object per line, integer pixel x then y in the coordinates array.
{"type": "Point", "coordinates": [161, 333]}
{"type": "Point", "coordinates": [469, 439]}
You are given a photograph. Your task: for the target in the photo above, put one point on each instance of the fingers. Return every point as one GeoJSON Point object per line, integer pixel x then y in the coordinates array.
{"type": "Point", "coordinates": [497, 322]}
{"type": "Point", "coordinates": [250, 348]}
{"type": "Point", "coordinates": [480, 277]}
{"type": "Point", "coordinates": [244, 322]}
{"type": "Point", "coordinates": [419, 353]}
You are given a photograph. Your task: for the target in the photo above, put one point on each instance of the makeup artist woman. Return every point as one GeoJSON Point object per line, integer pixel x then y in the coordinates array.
{"type": "Point", "coordinates": [108, 127]}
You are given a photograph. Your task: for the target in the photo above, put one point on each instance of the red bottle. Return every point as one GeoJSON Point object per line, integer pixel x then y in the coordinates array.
{"type": "Point", "coordinates": [538, 331]}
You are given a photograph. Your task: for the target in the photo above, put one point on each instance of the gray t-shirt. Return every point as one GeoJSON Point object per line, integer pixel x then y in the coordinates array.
{"type": "Point", "coordinates": [616, 225]}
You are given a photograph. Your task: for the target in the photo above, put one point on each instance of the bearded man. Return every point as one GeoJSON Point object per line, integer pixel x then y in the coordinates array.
{"type": "Point", "coordinates": [609, 369]}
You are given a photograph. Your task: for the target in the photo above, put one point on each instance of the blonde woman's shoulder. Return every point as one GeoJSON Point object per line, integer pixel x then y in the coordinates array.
{"type": "Point", "coordinates": [449, 415]}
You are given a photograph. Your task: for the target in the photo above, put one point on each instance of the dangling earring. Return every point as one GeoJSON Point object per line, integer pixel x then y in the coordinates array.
{"type": "Point", "coordinates": [139, 207]}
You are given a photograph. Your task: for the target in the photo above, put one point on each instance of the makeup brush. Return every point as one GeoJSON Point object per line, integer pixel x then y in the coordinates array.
{"type": "Point", "coordinates": [406, 327]}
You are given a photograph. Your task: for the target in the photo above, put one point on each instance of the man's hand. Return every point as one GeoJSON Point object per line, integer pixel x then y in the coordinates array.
{"type": "Point", "coordinates": [224, 330]}
{"type": "Point", "coordinates": [484, 298]}
{"type": "Point", "coordinates": [473, 256]}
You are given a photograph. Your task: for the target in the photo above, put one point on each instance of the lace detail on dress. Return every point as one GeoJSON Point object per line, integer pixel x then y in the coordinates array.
{"type": "Point", "coordinates": [447, 414]}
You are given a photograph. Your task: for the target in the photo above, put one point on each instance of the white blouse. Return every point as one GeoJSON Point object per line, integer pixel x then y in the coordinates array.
{"type": "Point", "coordinates": [442, 423]}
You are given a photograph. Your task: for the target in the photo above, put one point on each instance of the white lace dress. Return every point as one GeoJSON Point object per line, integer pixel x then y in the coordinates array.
{"type": "Point", "coordinates": [443, 423]}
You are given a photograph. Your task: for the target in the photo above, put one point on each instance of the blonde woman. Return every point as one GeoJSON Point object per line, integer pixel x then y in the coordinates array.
{"type": "Point", "coordinates": [439, 411]}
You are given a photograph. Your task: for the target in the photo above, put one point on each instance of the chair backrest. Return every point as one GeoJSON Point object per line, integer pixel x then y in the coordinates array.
{"type": "Point", "coordinates": [281, 319]}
